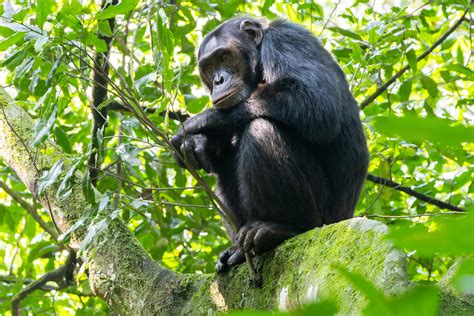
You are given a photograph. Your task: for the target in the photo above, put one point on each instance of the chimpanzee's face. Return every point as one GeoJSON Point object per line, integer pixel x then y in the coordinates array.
{"type": "Point", "coordinates": [229, 61]}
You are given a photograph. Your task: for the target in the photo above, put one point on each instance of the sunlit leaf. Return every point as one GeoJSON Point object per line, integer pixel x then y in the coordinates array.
{"type": "Point", "coordinates": [447, 236]}
{"type": "Point", "coordinates": [104, 28]}
{"type": "Point", "coordinates": [87, 188]}
{"type": "Point", "coordinates": [62, 140]}
{"type": "Point", "coordinates": [411, 57]}
{"type": "Point", "coordinates": [10, 41]}
{"type": "Point", "coordinates": [51, 176]}
{"type": "Point", "coordinates": [43, 128]}
{"type": "Point", "coordinates": [419, 130]}
{"type": "Point", "coordinates": [112, 10]}
{"type": "Point", "coordinates": [44, 8]}
{"type": "Point", "coordinates": [430, 85]}
{"type": "Point", "coordinates": [69, 178]}
{"type": "Point", "coordinates": [345, 32]}
{"type": "Point", "coordinates": [416, 302]}
{"type": "Point", "coordinates": [196, 105]}
{"type": "Point", "coordinates": [405, 90]}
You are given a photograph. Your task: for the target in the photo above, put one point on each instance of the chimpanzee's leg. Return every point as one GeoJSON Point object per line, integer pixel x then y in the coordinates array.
{"type": "Point", "coordinates": [281, 184]}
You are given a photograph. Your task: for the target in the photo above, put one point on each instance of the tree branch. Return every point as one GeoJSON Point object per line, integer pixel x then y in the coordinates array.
{"type": "Point", "coordinates": [413, 216]}
{"type": "Point", "coordinates": [62, 276]}
{"type": "Point", "coordinates": [99, 96]}
{"type": "Point", "coordinates": [410, 191]}
{"type": "Point", "coordinates": [438, 42]}
{"type": "Point", "coordinates": [45, 287]}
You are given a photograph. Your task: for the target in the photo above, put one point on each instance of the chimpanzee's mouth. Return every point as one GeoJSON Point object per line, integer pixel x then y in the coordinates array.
{"type": "Point", "coordinates": [221, 101]}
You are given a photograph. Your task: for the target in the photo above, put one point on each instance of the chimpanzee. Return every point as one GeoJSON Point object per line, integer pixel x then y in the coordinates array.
{"type": "Point", "coordinates": [284, 137]}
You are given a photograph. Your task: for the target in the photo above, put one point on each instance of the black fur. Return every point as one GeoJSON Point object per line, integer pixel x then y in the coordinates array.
{"type": "Point", "coordinates": [291, 157]}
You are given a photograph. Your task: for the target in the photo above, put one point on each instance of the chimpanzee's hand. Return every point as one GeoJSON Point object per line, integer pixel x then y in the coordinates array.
{"type": "Point", "coordinates": [208, 121]}
{"type": "Point", "coordinates": [193, 150]}
{"type": "Point", "coordinates": [217, 121]}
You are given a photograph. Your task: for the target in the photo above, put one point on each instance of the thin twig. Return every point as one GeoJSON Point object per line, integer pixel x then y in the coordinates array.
{"type": "Point", "coordinates": [329, 18]}
{"type": "Point", "coordinates": [414, 216]}
{"type": "Point", "coordinates": [46, 287]}
{"type": "Point", "coordinates": [397, 186]}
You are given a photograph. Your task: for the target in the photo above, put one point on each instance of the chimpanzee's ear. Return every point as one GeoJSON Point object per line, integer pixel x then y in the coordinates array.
{"type": "Point", "coordinates": [253, 30]}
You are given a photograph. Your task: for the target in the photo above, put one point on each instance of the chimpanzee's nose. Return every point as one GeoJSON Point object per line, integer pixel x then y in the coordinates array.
{"type": "Point", "coordinates": [218, 79]}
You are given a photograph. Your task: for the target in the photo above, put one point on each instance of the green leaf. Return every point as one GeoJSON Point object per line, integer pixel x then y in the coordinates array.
{"type": "Point", "coordinates": [104, 28]}
{"type": "Point", "coordinates": [50, 177]}
{"type": "Point", "coordinates": [67, 234]}
{"type": "Point", "coordinates": [165, 35]}
{"type": "Point", "coordinates": [62, 140]}
{"type": "Point", "coordinates": [92, 232]}
{"type": "Point", "coordinates": [469, 73]}
{"type": "Point", "coordinates": [361, 284]}
{"type": "Point", "coordinates": [69, 178]}
{"type": "Point", "coordinates": [103, 202]}
{"type": "Point", "coordinates": [411, 57]}
{"type": "Point", "coordinates": [40, 249]}
{"type": "Point", "coordinates": [93, 40]}
{"type": "Point", "coordinates": [87, 188]}
{"type": "Point", "coordinates": [44, 8]}
{"type": "Point", "coordinates": [112, 10]}
{"type": "Point", "coordinates": [42, 128]}
{"type": "Point", "coordinates": [419, 130]}
{"type": "Point", "coordinates": [10, 41]}
{"type": "Point", "coordinates": [421, 301]}
{"type": "Point", "coordinates": [416, 302]}
{"type": "Point", "coordinates": [266, 5]}
{"type": "Point", "coordinates": [345, 32]}
{"type": "Point", "coordinates": [30, 227]}
{"type": "Point", "coordinates": [448, 43]}
{"type": "Point", "coordinates": [430, 85]}
{"type": "Point", "coordinates": [196, 105]}
{"type": "Point", "coordinates": [23, 68]}
{"type": "Point", "coordinates": [405, 90]}
{"type": "Point", "coordinates": [438, 237]}
{"type": "Point", "coordinates": [459, 55]}
{"type": "Point", "coordinates": [53, 71]}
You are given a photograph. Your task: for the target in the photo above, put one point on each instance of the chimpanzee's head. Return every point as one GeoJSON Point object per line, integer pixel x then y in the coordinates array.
{"type": "Point", "coordinates": [229, 60]}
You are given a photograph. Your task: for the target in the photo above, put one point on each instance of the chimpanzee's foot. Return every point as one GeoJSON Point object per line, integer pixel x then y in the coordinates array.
{"type": "Point", "coordinates": [258, 237]}
{"type": "Point", "coordinates": [255, 238]}
{"type": "Point", "coordinates": [229, 257]}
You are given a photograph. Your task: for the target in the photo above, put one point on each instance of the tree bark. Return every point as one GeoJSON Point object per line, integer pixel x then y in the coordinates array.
{"type": "Point", "coordinates": [125, 276]}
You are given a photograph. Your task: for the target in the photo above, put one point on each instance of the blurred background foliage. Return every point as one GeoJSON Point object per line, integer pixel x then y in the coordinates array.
{"type": "Point", "coordinates": [419, 129]}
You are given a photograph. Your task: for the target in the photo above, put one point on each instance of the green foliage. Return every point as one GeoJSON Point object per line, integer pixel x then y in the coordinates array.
{"type": "Point", "coordinates": [419, 131]}
{"type": "Point", "coordinates": [438, 237]}
{"type": "Point", "coordinates": [416, 302]}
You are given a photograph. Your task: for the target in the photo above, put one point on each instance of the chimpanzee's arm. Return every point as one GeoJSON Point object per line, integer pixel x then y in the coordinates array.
{"type": "Point", "coordinates": [315, 114]}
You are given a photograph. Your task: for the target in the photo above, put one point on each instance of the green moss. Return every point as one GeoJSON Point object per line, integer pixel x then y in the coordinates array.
{"type": "Point", "coordinates": [302, 270]}
{"type": "Point", "coordinates": [452, 301]}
